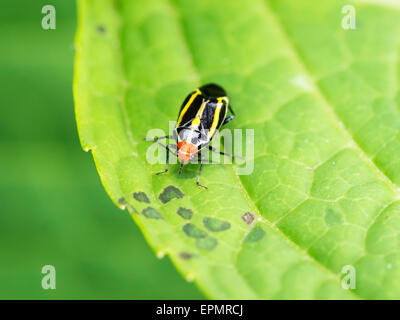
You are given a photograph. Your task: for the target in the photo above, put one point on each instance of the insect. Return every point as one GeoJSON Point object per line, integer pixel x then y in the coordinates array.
{"type": "Point", "coordinates": [202, 114]}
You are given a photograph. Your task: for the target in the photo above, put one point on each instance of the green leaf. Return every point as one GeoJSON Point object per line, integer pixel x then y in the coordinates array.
{"type": "Point", "coordinates": [323, 102]}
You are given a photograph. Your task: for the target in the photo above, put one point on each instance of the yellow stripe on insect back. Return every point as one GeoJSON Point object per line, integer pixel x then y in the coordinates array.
{"type": "Point", "coordinates": [194, 95]}
{"type": "Point", "coordinates": [196, 120]}
{"type": "Point", "coordinates": [216, 118]}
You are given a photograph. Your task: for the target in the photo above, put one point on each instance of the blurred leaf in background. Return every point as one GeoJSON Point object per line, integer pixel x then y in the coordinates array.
{"type": "Point", "coordinates": [53, 207]}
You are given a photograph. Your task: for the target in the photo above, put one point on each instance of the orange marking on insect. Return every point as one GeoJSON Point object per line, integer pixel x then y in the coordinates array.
{"type": "Point", "coordinates": [186, 151]}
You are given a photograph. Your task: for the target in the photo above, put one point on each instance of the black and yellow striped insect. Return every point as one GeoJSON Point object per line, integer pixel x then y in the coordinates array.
{"type": "Point", "coordinates": [202, 114]}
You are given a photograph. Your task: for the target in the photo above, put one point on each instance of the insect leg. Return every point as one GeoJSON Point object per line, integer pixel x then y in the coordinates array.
{"type": "Point", "coordinates": [155, 139]}
{"type": "Point", "coordinates": [202, 160]}
{"type": "Point", "coordinates": [224, 154]}
{"type": "Point", "coordinates": [180, 168]}
{"type": "Point", "coordinates": [198, 177]}
{"type": "Point", "coordinates": [168, 151]}
{"type": "Point", "coordinates": [167, 148]}
{"type": "Point", "coordinates": [230, 118]}
{"type": "Point", "coordinates": [166, 169]}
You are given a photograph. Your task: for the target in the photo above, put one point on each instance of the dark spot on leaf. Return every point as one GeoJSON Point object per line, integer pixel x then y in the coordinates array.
{"type": "Point", "coordinates": [170, 193]}
{"type": "Point", "coordinates": [207, 243]}
{"type": "Point", "coordinates": [216, 225]}
{"type": "Point", "coordinates": [151, 213]}
{"type": "Point", "coordinates": [192, 231]}
{"type": "Point", "coordinates": [255, 235]}
{"type": "Point", "coordinates": [185, 213]}
{"type": "Point", "coordinates": [185, 255]}
{"type": "Point", "coordinates": [248, 218]}
{"type": "Point", "coordinates": [141, 197]}
{"type": "Point", "coordinates": [121, 200]}
{"type": "Point", "coordinates": [332, 217]}
{"type": "Point", "coordinates": [101, 28]}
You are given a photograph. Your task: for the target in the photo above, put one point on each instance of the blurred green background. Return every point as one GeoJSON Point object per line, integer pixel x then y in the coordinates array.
{"type": "Point", "coordinates": [54, 209]}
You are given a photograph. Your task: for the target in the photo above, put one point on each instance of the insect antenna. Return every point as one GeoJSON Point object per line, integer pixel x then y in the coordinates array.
{"type": "Point", "coordinates": [167, 148]}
